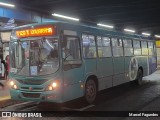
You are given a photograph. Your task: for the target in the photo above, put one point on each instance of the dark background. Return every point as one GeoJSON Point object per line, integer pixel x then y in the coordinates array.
{"type": "Point", "coordinates": [141, 15]}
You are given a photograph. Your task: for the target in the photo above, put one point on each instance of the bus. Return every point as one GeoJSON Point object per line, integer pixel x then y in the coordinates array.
{"type": "Point", "coordinates": [59, 62]}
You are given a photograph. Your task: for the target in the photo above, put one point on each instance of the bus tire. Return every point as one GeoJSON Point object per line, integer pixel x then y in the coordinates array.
{"type": "Point", "coordinates": [90, 91]}
{"type": "Point", "coordinates": [139, 77]}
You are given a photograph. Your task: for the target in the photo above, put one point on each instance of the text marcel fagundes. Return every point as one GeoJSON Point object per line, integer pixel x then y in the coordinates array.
{"type": "Point", "coordinates": [143, 114]}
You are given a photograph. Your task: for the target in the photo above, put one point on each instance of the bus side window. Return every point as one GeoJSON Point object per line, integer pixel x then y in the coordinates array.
{"type": "Point", "coordinates": [137, 47]}
{"type": "Point", "coordinates": [89, 46]}
{"type": "Point", "coordinates": [99, 46]}
{"type": "Point", "coordinates": [104, 48]}
{"type": "Point", "coordinates": [144, 48]}
{"type": "Point", "coordinates": [117, 47]}
{"type": "Point", "coordinates": [71, 50]}
{"type": "Point", "coordinates": [150, 48]}
{"type": "Point", "coordinates": [128, 47]}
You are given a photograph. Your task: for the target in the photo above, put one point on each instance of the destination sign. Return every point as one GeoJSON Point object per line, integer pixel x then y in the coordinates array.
{"type": "Point", "coordinates": [43, 31]}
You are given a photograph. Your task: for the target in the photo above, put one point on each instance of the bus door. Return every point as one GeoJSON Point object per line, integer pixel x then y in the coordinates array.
{"type": "Point", "coordinates": [72, 68]}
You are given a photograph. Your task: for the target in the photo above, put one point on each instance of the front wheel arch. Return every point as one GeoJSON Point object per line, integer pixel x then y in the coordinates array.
{"type": "Point", "coordinates": [91, 88]}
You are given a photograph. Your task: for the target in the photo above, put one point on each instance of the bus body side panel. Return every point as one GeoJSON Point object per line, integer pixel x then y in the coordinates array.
{"type": "Point", "coordinates": [90, 67]}
{"type": "Point", "coordinates": [119, 71]}
{"type": "Point", "coordinates": [152, 64]}
{"type": "Point", "coordinates": [105, 72]}
{"type": "Point", "coordinates": [72, 84]}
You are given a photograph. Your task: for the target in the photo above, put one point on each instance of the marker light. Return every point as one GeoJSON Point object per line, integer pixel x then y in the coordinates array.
{"type": "Point", "coordinates": [66, 17]}
{"type": "Point", "coordinates": [147, 34]}
{"type": "Point", "coordinates": [129, 30]}
{"type": "Point", "coordinates": [103, 25]}
{"type": "Point", "coordinates": [157, 36]}
{"type": "Point", "coordinates": [6, 4]}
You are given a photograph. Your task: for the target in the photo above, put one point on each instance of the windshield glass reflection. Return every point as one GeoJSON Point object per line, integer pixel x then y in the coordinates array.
{"type": "Point", "coordinates": [34, 57]}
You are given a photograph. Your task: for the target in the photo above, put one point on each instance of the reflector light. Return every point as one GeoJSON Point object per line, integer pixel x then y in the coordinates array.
{"type": "Point", "coordinates": [44, 31]}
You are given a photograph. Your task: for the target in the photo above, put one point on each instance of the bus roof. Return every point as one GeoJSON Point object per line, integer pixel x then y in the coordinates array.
{"type": "Point", "coordinates": [89, 28]}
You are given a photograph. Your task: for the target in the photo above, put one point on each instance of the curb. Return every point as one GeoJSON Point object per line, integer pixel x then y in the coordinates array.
{"type": "Point", "coordinates": [5, 98]}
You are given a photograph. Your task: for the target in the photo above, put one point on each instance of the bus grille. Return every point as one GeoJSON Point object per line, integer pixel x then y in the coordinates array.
{"type": "Point", "coordinates": [31, 95]}
{"type": "Point", "coordinates": [32, 82]}
{"type": "Point", "coordinates": [33, 89]}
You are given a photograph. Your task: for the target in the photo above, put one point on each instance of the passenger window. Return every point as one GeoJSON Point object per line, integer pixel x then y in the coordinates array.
{"type": "Point", "coordinates": [89, 46]}
{"type": "Point", "coordinates": [144, 48]}
{"type": "Point", "coordinates": [71, 49]}
{"type": "Point", "coordinates": [150, 48]}
{"type": "Point", "coordinates": [117, 47]}
{"type": "Point", "coordinates": [128, 47]}
{"type": "Point", "coordinates": [137, 47]}
{"type": "Point", "coordinates": [114, 42]}
{"type": "Point", "coordinates": [104, 48]}
{"type": "Point", "coordinates": [127, 43]}
{"type": "Point", "coordinates": [136, 44]}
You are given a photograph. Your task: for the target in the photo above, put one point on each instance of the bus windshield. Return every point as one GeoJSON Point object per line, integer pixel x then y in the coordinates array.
{"type": "Point", "coordinates": [34, 57]}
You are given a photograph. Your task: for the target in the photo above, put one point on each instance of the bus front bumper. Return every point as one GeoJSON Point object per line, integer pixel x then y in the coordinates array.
{"type": "Point", "coordinates": [45, 96]}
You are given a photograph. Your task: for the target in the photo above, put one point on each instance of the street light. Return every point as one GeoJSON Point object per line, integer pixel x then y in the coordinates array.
{"type": "Point", "coordinates": [104, 25]}
{"type": "Point", "coordinates": [66, 17]}
{"type": "Point", "coordinates": [157, 36]}
{"type": "Point", "coordinates": [7, 4]}
{"type": "Point", "coordinates": [147, 34]}
{"type": "Point", "coordinates": [129, 30]}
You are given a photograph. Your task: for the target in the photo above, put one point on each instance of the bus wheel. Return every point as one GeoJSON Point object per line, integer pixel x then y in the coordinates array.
{"type": "Point", "coordinates": [139, 77]}
{"type": "Point", "coordinates": [90, 91]}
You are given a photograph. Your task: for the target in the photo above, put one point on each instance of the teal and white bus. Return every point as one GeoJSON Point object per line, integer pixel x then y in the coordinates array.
{"type": "Point", "coordinates": [59, 62]}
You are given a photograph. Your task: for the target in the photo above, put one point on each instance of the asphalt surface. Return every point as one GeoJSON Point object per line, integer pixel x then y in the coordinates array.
{"type": "Point", "coordinates": [126, 97]}
{"type": "Point", "coordinates": [4, 92]}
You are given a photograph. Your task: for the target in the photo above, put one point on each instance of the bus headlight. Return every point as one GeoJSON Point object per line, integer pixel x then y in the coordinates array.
{"type": "Point", "coordinates": [13, 85]}
{"type": "Point", "coordinates": [54, 85]}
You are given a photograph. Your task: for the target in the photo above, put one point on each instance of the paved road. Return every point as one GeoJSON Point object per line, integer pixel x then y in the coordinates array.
{"type": "Point", "coordinates": [126, 97]}
{"type": "Point", "coordinates": [4, 93]}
